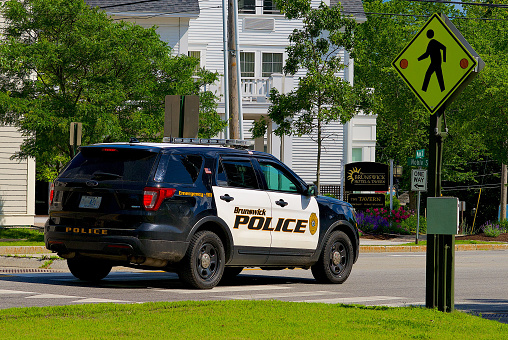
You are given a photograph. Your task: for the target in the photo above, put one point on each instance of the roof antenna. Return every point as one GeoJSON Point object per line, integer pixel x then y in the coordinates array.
{"type": "Point", "coordinates": [133, 140]}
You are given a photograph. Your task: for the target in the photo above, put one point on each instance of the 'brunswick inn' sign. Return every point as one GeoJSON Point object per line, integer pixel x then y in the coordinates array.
{"type": "Point", "coordinates": [366, 176]}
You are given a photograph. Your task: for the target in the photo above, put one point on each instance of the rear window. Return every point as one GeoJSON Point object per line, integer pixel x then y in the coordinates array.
{"type": "Point", "coordinates": [110, 163]}
{"type": "Point", "coordinates": [178, 168]}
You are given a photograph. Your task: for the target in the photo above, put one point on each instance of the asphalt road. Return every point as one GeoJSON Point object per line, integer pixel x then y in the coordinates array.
{"type": "Point", "coordinates": [389, 279]}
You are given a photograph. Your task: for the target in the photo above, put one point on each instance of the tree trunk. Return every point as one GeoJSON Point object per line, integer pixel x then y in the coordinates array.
{"type": "Point", "coordinates": [503, 192]}
{"type": "Point", "coordinates": [318, 166]}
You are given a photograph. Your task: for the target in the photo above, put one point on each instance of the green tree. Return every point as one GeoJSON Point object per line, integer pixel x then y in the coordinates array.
{"type": "Point", "coordinates": [62, 61]}
{"type": "Point", "coordinates": [403, 122]}
{"type": "Point", "coordinates": [321, 95]}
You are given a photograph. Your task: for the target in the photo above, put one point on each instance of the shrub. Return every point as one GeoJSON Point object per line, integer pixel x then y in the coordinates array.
{"type": "Point", "coordinates": [491, 229]}
{"type": "Point", "coordinates": [503, 225]}
{"type": "Point", "coordinates": [411, 222]}
{"type": "Point", "coordinates": [395, 202]}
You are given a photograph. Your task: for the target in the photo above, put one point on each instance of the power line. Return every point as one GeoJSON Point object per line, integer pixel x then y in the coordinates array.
{"type": "Point", "coordinates": [472, 187]}
{"type": "Point", "coordinates": [462, 3]}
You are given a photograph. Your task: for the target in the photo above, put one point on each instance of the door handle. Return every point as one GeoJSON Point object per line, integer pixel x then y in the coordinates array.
{"type": "Point", "coordinates": [281, 202]}
{"type": "Point", "coordinates": [227, 198]}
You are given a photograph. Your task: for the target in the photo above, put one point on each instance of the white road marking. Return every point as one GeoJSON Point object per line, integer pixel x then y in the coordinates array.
{"type": "Point", "coordinates": [408, 255]}
{"type": "Point", "coordinates": [53, 296]}
{"type": "Point", "coordinates": [97, 300]}
{"type": "Point", "coordinates": [353, 300]}
{"type": "Point", "coordinates": [9, 292]}
{"type": "Point", "coordinates": [222, 289]}
{"type": "Point", "coordinates": [273, 296]}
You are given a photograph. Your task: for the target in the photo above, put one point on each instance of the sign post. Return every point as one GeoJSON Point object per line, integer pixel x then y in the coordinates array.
{"type": "Point", "coordinates": [437, 64]}
{"type": "Point", "coordinates": [419, 184]}
{"type": "Point", "coordinates": [75, 136]}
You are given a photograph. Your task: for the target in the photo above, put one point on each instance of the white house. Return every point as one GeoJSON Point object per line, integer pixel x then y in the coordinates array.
{"type": "Point", "coordinates": [17, 179]}
{"type": "Point", "coordinates": [195, 27]}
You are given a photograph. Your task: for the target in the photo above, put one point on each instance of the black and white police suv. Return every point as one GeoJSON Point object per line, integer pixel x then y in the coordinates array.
{"type": "Point", "coordinates": [203, 211]}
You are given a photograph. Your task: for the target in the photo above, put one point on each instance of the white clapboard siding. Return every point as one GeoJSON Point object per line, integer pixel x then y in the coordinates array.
{"type": "Point", "coordinates": [17, 181]}
{"type": "Point", "coordinates": [305, 155]}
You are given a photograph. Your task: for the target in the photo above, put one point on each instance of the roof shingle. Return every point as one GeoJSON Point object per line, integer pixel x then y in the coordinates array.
{"type": "Point", "coordinates": [153, 6]}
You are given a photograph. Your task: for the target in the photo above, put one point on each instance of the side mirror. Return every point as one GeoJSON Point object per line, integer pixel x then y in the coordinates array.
{"type": "Point", "coordinates": [311, 190]}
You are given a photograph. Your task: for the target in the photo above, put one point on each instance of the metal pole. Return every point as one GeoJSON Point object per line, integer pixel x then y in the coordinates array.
{"type": "Point", "coordinates": [391, 186]}
{"type": "Point", "coordinates": [226, 72]}
{"type": "Point", "coordinates": [238, 71]}
{"type": "Point", "coordinates": [418, 218]}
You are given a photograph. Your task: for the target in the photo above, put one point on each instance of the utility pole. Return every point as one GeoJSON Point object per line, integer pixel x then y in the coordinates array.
{"type": "Point", "coordinates": [503, 192]}
{"type": "Point", "coordinates": [234, 131]}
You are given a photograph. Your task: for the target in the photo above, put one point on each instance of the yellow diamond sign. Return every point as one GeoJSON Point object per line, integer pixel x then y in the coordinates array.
{"type": "Point", "coordinates": [436, 63]}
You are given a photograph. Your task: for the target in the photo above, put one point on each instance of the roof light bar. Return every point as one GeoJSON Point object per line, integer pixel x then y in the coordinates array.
{"type": "Point", "coordinates": [209, 141]}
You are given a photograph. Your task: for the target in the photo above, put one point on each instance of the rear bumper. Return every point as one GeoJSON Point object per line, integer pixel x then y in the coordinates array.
{"type": "Point", "coordinates": [146, 241]}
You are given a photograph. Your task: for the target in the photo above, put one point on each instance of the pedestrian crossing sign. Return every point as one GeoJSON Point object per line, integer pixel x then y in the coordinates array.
{"type": "Point", "coordinates": [437, 63]}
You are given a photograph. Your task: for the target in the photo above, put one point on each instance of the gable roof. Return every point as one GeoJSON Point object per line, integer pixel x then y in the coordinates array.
{"type": "Point", "coordinates": [151, 6]}
{"type": "Point", "coordinates": [352, 7]}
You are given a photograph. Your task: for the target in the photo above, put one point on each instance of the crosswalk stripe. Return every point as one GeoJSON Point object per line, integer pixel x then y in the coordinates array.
{"type": "Point", "coordinates": [353, 299]}
{"type": "Point", "coordinates": [97, 300]}
{"type": "Point", "coordinates": [223, 289]}
{"type": "Point", "coordinates": [9, 292]}
{"type": "Point", "coordinates": [53, 296]}
{"type": "Point", "coordinates": [273, 296]}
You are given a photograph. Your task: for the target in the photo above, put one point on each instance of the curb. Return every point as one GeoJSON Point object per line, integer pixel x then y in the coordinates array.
{"type": "Point", "coordinates": [23, 250]}
{"type": "Point", "coordinates": [421, 249]}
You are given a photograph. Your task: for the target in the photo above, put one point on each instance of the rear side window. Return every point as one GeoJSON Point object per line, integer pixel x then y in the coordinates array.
{"type": "Point", "coordinates": [110, 163]}
{"type": "Point", "coordinates": [177, 168]}
{"type": "Point", "coordinates": [237, 173]}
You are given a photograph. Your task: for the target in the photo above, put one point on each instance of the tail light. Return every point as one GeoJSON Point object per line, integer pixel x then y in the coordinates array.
{"type": "Point", "coordinates": [153, 197]}
{"type": "Point", "coordinates": [51, 192]}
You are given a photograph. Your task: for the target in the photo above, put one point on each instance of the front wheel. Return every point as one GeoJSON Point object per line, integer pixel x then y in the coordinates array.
{"type": "Point", "coordinates": [203, 264]}
{"type": "Point", "coordinates": [336, 259]}
{"type": "Point", "coordinates": [89, 269]}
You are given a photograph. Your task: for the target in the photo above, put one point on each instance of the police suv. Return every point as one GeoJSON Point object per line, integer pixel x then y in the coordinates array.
{"type": "Point", "coordinates": [203, 211]}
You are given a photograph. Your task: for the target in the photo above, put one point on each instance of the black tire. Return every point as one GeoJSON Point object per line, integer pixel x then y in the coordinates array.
{"type": "Point", "coordinates": [230, 273]}
{"type": "Point", "coordinates": [336, 259]}
{"type": "Point", "coordinates": [89, 269]}
{"type": "Point", "coordinates": [203, 264]}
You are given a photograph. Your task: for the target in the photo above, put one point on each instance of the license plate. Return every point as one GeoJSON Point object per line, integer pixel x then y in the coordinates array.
{"type": "Point", "coordinates": [90, 202]}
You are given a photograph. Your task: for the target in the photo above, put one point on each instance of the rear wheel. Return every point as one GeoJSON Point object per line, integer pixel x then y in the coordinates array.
{"type": "Point", "coordinates": [203, 264]}
{"type": "Point", "coordinates": [89, 269]}
{"type": "Point", "coordinates": [336, 259]}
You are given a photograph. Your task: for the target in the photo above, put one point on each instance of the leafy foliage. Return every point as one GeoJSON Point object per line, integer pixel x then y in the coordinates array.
{"type": "Point", "coordinates": [62, 61]}
{"type": "Point", "coordinates": [321, 96]}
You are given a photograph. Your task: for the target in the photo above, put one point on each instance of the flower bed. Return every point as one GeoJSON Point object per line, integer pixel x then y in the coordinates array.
{"type": "Point", "coordinates": [380, 221]}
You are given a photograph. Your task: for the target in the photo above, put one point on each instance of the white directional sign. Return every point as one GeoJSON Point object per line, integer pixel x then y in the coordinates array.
{"type": "Point", "coordinates": [418, 180]}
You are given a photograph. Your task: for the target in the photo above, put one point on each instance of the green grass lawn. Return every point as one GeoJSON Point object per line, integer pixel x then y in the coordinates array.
{"type": "Point", "coordinates": [21, 237]}
{"type": "Point", "coordinates": [242, 320]}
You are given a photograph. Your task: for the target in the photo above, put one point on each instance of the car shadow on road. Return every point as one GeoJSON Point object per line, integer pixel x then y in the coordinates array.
{"type": "Point", "coordinates": [149, 279]}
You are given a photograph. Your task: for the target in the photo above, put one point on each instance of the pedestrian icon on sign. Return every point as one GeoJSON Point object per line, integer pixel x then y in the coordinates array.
{"type": "Point", "coordinates": [434, 49]}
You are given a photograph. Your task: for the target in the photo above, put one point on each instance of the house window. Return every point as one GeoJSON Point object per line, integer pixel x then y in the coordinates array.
{"type": "Point", "coordinates": [356, 154]}
{"type": "Point", "coordinates": [272, 63]}
{"type": "Point", "coordinates": [247, 61]}
{"type": "Point", "coordinates": [197, 55]}
{"type": "Point", "coordinates": [247, 6]}
{"type": "Point", "coordinates": [269, 7]}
